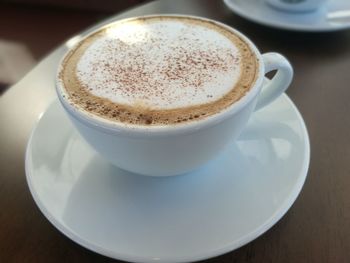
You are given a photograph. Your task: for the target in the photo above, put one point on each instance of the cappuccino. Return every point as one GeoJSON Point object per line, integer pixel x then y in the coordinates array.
{"type": "Point", "coordinates": [158, 70]}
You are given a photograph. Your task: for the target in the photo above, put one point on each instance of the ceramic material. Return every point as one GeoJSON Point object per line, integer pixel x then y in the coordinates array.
{"type": "Point", "coordinates": [176, 149]}
{"type": "Point", "coordinates": [219, 207]}
{"type": "Point", "coordinates": [333, 16]}
{"type": "Point", "coordinates": [297, 5]}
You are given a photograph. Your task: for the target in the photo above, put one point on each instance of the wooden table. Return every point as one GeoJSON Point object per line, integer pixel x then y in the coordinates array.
{"type": "Point", "coordinates": [316, 228]}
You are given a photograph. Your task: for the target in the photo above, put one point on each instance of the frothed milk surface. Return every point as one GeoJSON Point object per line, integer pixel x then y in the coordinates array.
{"type": "Point", "coordinates": [162, 65]}
{"type": "Point", "coordinates": [159, 70]}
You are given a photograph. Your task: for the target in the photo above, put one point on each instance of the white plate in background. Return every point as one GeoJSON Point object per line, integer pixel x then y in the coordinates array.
{"type": "Point", "coordinates": [334, 16]}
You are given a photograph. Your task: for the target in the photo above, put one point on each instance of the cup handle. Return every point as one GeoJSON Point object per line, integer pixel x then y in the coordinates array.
{"type": "Point", "coordinates": [279, 83]}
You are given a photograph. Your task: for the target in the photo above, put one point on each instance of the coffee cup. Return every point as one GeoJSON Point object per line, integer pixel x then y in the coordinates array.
{"type": "Point", "coordinates": [162, 95]}
{"type": "Point", "coordinates": [297, 5]}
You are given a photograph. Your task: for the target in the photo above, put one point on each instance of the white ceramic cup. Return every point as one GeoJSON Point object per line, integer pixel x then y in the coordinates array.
{"type": "Point", "coordinates": [176, 149]}
{"type": "Point", "coordinates": [297, 5]}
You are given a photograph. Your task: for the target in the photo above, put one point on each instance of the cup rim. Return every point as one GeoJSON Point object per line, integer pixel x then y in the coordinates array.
{"type": "Point", "coordinates": [131, 130]}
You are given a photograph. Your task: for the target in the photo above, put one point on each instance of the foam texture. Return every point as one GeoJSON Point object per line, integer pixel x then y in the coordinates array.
{"type": "Point", "coordinates": [160, 64]}
{"type": "Point", "coordinates": [159, 70]}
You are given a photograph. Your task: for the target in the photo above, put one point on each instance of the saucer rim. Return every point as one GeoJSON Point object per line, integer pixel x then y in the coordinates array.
{"type": "Point", "coordinates": [230, 4]}
{"type": "Point", "coordinates": [273, 219]}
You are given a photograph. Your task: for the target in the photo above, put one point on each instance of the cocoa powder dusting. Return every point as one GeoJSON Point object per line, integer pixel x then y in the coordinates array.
{"type": "Point", "coordinates": [127, 69]}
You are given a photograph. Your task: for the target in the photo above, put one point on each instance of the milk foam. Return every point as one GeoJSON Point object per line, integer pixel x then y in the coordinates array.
{"type": "Point", "coordinates": [160, 64]}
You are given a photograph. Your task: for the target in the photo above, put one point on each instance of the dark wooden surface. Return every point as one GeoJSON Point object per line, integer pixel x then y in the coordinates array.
{"type": "Point", "coordinates": [316, 228]}
{"type": "Point", "coordinates": [42, 28]}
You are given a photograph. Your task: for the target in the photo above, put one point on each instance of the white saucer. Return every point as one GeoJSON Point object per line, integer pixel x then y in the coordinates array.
{"type": "Point", "coordinates": [332, 17]}
{"type": "Point", "coordinates": [220, 207]}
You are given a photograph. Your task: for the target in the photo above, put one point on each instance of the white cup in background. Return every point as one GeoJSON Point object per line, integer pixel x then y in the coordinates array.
{"type": "Point", "coordinates": [297, 5]}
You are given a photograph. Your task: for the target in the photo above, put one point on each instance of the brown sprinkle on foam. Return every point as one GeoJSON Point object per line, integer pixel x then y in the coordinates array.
{"type": "Point", "coordinates": [135, 79]}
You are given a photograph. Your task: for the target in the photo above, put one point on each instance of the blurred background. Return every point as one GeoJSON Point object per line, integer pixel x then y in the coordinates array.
{"type": "Point", "coordinates": [30, 29]}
